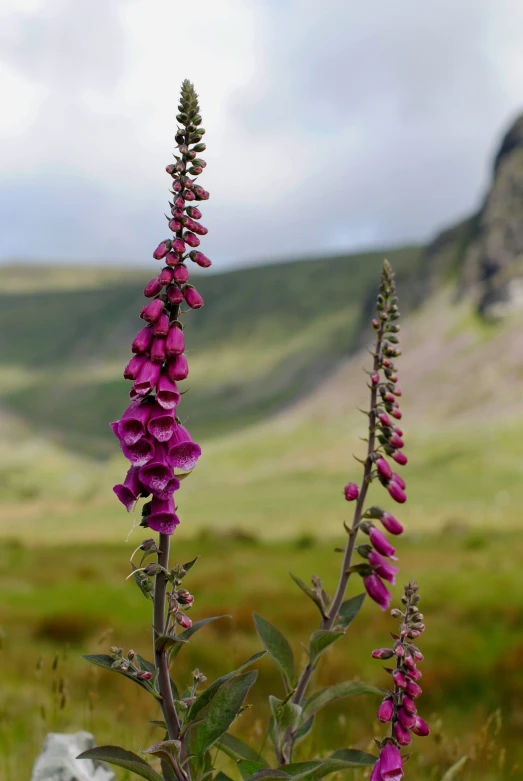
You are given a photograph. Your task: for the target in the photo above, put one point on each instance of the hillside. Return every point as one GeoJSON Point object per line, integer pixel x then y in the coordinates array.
{"type": "Point", "coordinates": [265, 336]}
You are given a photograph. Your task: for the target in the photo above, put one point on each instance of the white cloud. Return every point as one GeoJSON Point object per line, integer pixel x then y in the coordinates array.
{"type": "Point", "coordinates": [329, 124]}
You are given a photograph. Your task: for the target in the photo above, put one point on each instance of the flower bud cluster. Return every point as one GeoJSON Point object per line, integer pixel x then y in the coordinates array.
{"type": "Point", "coordinates": [129, 664]}
{"type": "Point", "coordinates": [399, 706]}
{"type": "Point", "coordinates": [149, 431]}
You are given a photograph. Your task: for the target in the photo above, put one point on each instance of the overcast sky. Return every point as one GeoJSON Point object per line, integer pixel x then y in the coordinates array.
{"type": "Point", "coordinates": [332, 124]}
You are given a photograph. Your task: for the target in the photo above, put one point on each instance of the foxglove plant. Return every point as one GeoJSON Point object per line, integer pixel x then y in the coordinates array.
{"type": "Point", "coordinates": [161, 453]}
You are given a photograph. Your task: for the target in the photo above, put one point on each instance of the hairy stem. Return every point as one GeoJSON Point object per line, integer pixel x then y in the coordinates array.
{"type": "Point", "coordinates": [329, 621]}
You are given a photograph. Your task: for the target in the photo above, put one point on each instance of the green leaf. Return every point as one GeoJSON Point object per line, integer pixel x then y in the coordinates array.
{"type": "Point", "coordinates": [325, 767]}
{"type": "Point", "coordinates": [320, 641]}
{"type": "Point", "coordinates": [353, 756]}
{"type": "Point", "coordinates": [106, 661]}
{"type": "Point", "coordinates": [310, 593]}
{"type": "Point", "coordinates": [122, 758]}
{"type": "Point", "coordinates": [164, 642]}
{"type": "Point", "coordinates": [337, 692]}
{"type": "Point", "coordinates": [207, 695]}
{"type": "Point", "coordinates": [220, 776]}
{"type": "Point", "coordinates": [140, 580]}
{"type": "Point", "coordinates": [190, 564]}
{"type": "Point", "coordinates": [277, 647]}
{"type": "Point", "coordinates": [349, 610]}
{"type": "Point", "coordinates": [247, 768]}
{"type": "Point", "coordinates": [219, 714]}
{"type": "Point", "coordinates": [269, 774]}
{"type": "Point", "coordinates": [188, 633]}
{"type": "Point", "coordinates": [286, 714]}
{"type": "Point", "coordinates": [237, 749]}
{"type": "Point", "coordinates": [300, 769]}
{"type": "Point", "coordinates": [304, 730]}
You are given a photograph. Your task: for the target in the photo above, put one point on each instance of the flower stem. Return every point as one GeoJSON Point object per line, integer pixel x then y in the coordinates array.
{"type": "Point", "coordinates": [329, 621]}
{"type": "Point", "coordinates": [161, 657]}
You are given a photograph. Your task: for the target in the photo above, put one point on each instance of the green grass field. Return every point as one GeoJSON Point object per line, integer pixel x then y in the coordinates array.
{"type": "Point", "coordinates": [59, 602]}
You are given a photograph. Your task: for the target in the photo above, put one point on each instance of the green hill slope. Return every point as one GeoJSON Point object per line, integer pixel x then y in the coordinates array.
{"type": "Point", "coordinates": [265, 337]}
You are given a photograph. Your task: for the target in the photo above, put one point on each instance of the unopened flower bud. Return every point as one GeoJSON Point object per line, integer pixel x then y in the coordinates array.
{"type": "Point", "coordinates": [166, 276]}
{"type": "Point", "coordinates": [420, 728]}
{"type": "Point", "coordinates": [161, 327]}
{"type": "Point", "coordinates": [406, 719]}
{"type": "Point", "coordinates": [383, 653]}
{"type": "Point", "coordinates": [396, 492]}
{"type": "Point", "coordinates": [191, 239]}
{"type": "Point", "coordinates": [408, 704]}
{"type": "Point", "coordinates": [413, 689]}
{"type": "Point", "coordinates": [142, 340]}
{"type": "Point", "coordinates": [174, 294]}
{"type": "Point", "coordinates": [399, 679]}
{"type": "Point", "coordinates": [184, 620]}
{"type": "Point", "coordinates": [383, 468]}
{"type": "Point", "coordinates": [192, 297]}
{"type": "Point", "coordinates": [172, 259]}
{"type": "Point", "coordinates": [175, 225]}
{"type": "Point", "coordinates": [399, 649]}
{"type": "Point", "coordinates": [179, 246]}
{"type": "Point", "coordinates": [162, 249]}
{"type": "Point", "coordinates": [152, 288]}
{"type": "Point", "coordinates": [144, 676]}
{"type": "Point", "coordinates": [181, 274]}
{"type": "Point", "coordinates": [402, 734]}
{"type": "Point", "coordinates": [200, 259]}
{"type": "Point", "coordinates": [152, 311]}
{"type": "Point", "coordinates": [386, 710]}
{"type": "Point", "coordinates": [400, 457]}
{"type": "Point", "coordinates": [351, 492]}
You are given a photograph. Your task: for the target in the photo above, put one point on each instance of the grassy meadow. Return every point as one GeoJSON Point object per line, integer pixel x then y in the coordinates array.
{"type": "Point", "coordinates": [276, 383]}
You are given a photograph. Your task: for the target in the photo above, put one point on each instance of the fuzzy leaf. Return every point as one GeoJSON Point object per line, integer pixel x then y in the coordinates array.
{"type": "Point", "coordinates": [304, 730]}
{"type": "Point", "coordinates": [190, 564]}
{"type": "Point", "coordinates": [139, 580]}
{"type": "Point", "coordinates": [310, 593]}
{"type": "Point", "coordinates": [207, 695]}
{"type": "Point", "coordinates": [122, 758]}
{"type": "Point", "coordinates": [350, 609]}
{"type": "Point", "coordinates": [286, 714]}
{"type": "Point", "coordinates": [269, 775]}
{"type": "Point", "coordinates": [330, 765]}
{"type": "Point", "coordinates": [248, 768]}
{"type": "Point", "coordinates": [301, 769]}
{"type": "Point", "coordinates": [184, 636]}
{"type": "Point", "coordinates": [353, 756]}
{"type": "Point", "coordinates": [277, 647]}
{"type": "Point", "coordinates": [219, 714]}
{"type": "Point", "coordinates": [237, 749]}
{"type": "Point", "coordinates": [321, 640]}
{"type": "Point", "coordinates": [220, 776]}
{"type": "Point", "coordinates": [337, 692]}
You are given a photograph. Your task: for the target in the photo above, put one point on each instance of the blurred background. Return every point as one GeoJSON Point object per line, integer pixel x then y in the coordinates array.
{"type": "Point", "coordinates": [338, 134]}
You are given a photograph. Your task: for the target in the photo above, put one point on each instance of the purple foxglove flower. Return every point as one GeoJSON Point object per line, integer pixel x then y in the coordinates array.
{"type": "Point", "coordinates": [133, 423]}
{"type": "Point", "coordinates": [161, 423]}
{"type": "Point", "coordinates": [134, 367]}
{"type": "Point", "coordinates": [174, 225]}
{"type": "Point", "coordinates": [163, 517]}
{"type": "Point", "coordinates": [377, 591]}
{"type": "Point", "coordinates": [409, 661]}
{"type": "Point", "coordinates": [386, 710]}
{"type": "Point", "coordinates": [399, 679]}
{"type": "Point", "coordinates": [142, 340]}
{"type": "Point", "coordinates": [183, 452]}
{"type": "Point", "coordinates": [179, 202]}
{"type": "Point", "coordinates": [383, 468]}
{"type": "Point", "coordinates": [166, 276]}
{"type": "Point", "coordinates": [194, 212]}
{"type": "Point", "coordinates": [161, 250]}
{"type": "Point", "coordinates": [191, 239]}
{"type": "Point", "coordinates": [396, 492]}
{"type": "Point", "coordinates": [375, 378]}
{"type": "Point", "coordinates": [399, 649]}
{"type": "Point", "coordinates": [140, 453]}
{"type": "Point", "coordinates": [151, 312]}
{"type": "Point", "coordinates": [167, 394]}
{"type": "Point", "coordinates": [166, 493]}
{"type": "Point", "coordinates": [384, 419]}
{"type": "Point", "coordinates": [147, 378]}
{"type": "Point", "coordinates": [179, 246]}
{"type": "Point", "coordinates": [129, 491]}
{"type": "Point", "coordinates": [152, 288]}
{"type": "Point", "coordinates": [188, 195]}
{"type": "Point", "coordinates": [181, 274]}
{"type": "Point", "coordinates": [399, 480]}
{"type": "Point", "coordinates": [158, 354]}
{"type": "Point", "coordinates": [406, 720]}
{"type": "Point", "coordinates": [381, 543]}
{"type": "Point", "coordinates": [402, 735]}
{"type": "Point", "coordinates": [382, 567]}
{"type": "Point", "coordinates": [413, 690]}
{"type": "Point", "coordinates": [391, 524]}
{"type": "Point", "coordinates": [193, 298]}
{"type": "Point", "coordinates": [200, 259]}
{"type": "Point", "coordinates": [172, 259]}
{"type": "Point", "coordinates": [198, 228]}
{"type": "Point", "coordinates": [420, 728]}
{"type": "Point", "coordinates": [157, 475]}
{"type": "Point", "coordinates": [408, 704]}
{"type": "Point", "coordinates": [400, 458]}
{"type": "Point", "coordinates": [174, 294]}
{"type": "Point", "coordinates": [418, 656]}
{"type": "Point", "coordinates": [351, 492]}
{"type": "Point", "coordinates": [391, 764]}
{"type": "Point", "coordinates": [383, 653]}
{"type": "Point", "coordinates": [161, 327]}
{"type": "Point", "coordinates": [184, 621]}
{"type": "Point", "coordinates": [175, 344]}
{"type": "Point", "coordinates": [396, 441]}
{"type": "Point", "coordinates": [396, 413]}
{"type": "Point", "coordinates": [389, 397]}
{"type": "Point", "coordinates": [376, 772]}
{"type": "Point", "coordinates": [177, 368]}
